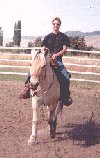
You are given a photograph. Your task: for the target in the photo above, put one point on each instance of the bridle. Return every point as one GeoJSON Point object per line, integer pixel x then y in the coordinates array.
{"type": "Point", "coordinates": [35, 92]}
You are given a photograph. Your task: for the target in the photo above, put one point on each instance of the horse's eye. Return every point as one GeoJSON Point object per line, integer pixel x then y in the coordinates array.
{"type": "Point", "coordinates": [36, 55]}
{"type": "Point", "coordinates": [44, 66]}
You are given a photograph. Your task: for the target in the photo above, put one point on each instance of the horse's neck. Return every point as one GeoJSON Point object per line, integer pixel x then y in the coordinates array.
{"type": "Point", "coordinates": [49, 79]}
{"type": "Point", "coordinates": [49, 88]}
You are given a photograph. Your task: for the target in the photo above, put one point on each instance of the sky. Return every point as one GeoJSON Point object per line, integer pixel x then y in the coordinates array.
{"type": "Point", "coordinates": [36, 16]}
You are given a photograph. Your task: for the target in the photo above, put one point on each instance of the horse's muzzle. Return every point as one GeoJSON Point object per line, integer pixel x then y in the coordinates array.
{"type": "Point", "coordinates": [34, 85]}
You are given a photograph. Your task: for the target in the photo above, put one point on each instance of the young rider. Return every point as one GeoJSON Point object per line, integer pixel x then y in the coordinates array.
{"type": "Point", "coordinates": [57, 43]}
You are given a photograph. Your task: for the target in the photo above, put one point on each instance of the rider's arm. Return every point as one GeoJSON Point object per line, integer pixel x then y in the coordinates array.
{"type": "Point", "coordinates": [61, 53]}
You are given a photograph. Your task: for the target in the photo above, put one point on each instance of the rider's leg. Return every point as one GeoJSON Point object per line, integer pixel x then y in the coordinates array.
{"type": "Point", "coordinates": [26, 82]}
{"type": "Point", "coordinates": [64, 79]}
{"type": "Point", "coordinates": [28, 78]}
{"type": "Point", "coordinates": [25, 93]}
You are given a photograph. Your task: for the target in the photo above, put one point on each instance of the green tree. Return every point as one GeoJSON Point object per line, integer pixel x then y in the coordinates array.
{"type": "Point", "coordinates": [38, 42]}
{"type": "Point", "coordinates": [1, 36]}
{"type": "Point", "coordinates": [17, 33]}
{"type": "Point", "coordinates": [78, 42]}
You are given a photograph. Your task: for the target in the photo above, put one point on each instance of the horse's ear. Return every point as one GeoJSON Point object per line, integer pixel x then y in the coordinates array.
{"type": "Point", "coordinates": [30, 63]}
{"type": "Point", "coordinates": [38, 51]}
{"type": "Point", "coordinates": [46, 52]}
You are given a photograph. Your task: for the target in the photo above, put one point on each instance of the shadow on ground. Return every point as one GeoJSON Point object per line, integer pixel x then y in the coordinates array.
{"type": "Point", "coordinates": [88, 132]}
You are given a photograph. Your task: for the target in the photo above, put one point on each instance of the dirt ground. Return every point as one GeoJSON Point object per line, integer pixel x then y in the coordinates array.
{"type": "Point", "coordinates": [77, 135]}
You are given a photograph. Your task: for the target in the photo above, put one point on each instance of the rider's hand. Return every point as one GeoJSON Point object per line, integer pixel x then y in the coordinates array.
{"type": "Point", "coordinates": [54, 56]}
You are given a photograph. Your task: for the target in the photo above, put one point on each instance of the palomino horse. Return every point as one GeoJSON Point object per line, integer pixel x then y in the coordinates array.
{"type": "Point", "coordinates": [45, 89]}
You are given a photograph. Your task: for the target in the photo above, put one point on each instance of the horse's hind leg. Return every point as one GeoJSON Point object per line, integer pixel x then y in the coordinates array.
{"type": "Point", "coordinates": [53, 124]}
{"type": "Point", "coordinates": [52, 121]}
{"type": "Point", "coordinates": [58, 108]}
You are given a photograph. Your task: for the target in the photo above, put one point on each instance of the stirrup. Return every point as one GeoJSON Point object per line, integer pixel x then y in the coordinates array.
{"type": "Point", "coordinates": [69, 102]}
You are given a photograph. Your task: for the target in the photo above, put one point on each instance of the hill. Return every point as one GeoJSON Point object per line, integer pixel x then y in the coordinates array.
{"type": "Point", "coordinates": [93, 40]}
{"type": "Point", "coordinates": [79, 33]}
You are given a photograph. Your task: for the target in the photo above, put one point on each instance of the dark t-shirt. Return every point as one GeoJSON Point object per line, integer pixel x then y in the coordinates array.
{"type": "Point", "coordinates": [55, 42]}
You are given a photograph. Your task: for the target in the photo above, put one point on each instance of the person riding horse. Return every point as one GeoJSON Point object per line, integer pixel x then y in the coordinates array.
{"type": "Point", "coordinates": [57, 43]}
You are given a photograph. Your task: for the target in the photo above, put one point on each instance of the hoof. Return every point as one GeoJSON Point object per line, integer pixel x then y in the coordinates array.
{"type": "Point", "coordinates": [52, 136]}
{"type": "Point", "coordinates": [32, 141]}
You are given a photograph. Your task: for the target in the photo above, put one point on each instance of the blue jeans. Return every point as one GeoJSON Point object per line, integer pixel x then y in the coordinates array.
{"type": "Point", "coordinates": [64, 79]}
{"type": "Point", "coordinates": [61, 68]}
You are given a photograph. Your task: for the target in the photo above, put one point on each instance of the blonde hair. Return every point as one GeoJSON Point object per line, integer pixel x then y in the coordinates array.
{"type": "Point", "coordinates": [56, 18]}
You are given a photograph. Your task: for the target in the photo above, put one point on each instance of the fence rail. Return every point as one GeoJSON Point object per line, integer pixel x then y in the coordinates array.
{"type": "Point", "coordinates": [66, 64]}
{"type": "Point", "coordinates": [36, 48]}
{"type": "Point", "coordinates": [68, 57]}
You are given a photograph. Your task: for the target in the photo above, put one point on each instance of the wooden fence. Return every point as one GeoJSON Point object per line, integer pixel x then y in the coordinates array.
{"type": "Point", "coordinates": [83, 68]}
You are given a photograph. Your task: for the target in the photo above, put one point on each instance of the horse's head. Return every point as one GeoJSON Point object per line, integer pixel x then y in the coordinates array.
{"type": "Point", "coordinates": [40, 60]}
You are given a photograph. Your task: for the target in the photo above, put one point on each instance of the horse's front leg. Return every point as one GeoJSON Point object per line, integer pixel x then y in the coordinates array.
{"type": "Point", "coordinates": [35, 109]}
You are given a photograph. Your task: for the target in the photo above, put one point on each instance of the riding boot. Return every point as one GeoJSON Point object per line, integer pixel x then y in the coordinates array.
{"type": "Point", "coordinates": [25, 93]}
{"type": "Point", "coordinates": [65, 92]}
